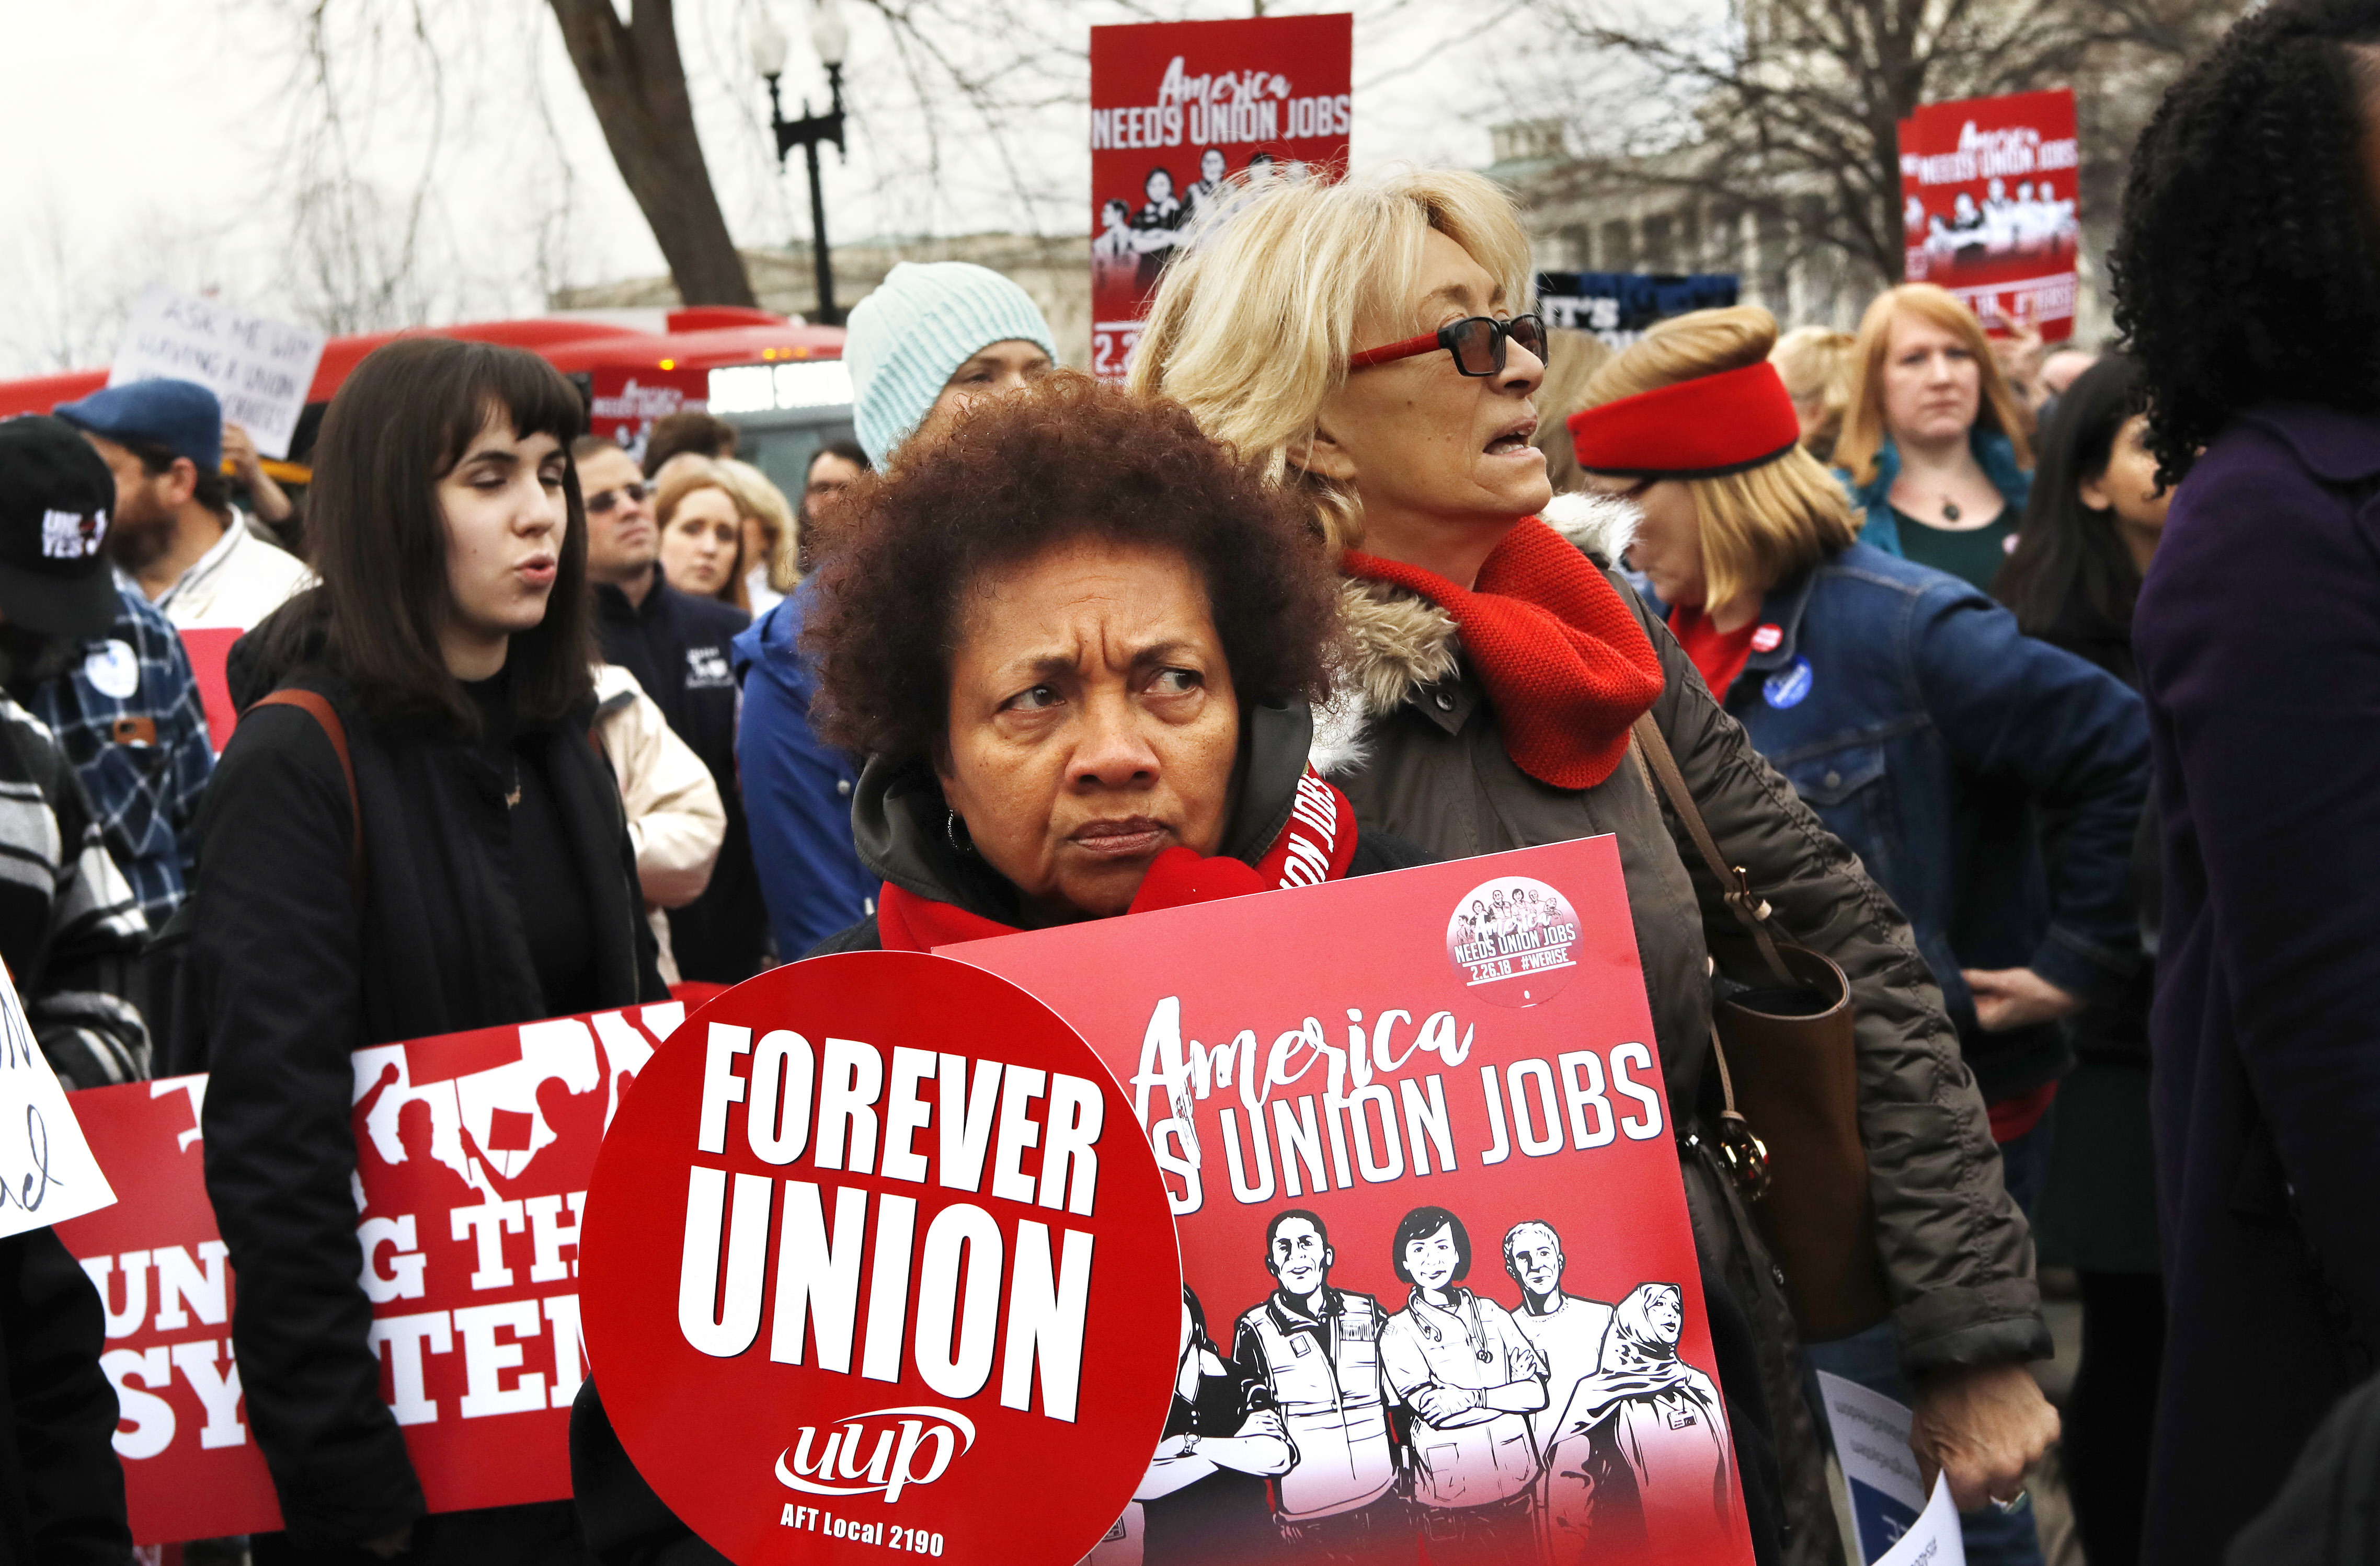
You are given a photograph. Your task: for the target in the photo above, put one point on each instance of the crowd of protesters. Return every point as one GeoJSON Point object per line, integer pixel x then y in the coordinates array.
{"type": "Point", "coordinates": [2032, 691]}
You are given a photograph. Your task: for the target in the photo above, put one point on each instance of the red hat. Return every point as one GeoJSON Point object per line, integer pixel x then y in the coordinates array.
{"type": "Point", "coordinates": [1704, 428]}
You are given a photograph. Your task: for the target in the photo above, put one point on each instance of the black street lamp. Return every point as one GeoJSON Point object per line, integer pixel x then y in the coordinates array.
{"type": "Point", "coordinates": [830, 38]}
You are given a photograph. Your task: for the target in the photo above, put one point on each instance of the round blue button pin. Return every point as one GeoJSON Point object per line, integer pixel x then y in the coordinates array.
{"type": "Point", "coordinates": [1789, 686]}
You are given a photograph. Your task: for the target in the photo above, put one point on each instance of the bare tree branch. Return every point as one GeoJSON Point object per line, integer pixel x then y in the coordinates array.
{"type": "Point", "coordinates": [636, 79]}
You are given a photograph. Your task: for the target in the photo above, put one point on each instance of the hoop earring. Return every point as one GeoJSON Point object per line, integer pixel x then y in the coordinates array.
{"type": "Point", "coordinates": [961, 840]}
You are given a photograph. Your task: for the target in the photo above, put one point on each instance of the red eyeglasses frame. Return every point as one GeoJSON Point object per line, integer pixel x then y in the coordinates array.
{"type": "Point", "coordinates": [1449, 338]}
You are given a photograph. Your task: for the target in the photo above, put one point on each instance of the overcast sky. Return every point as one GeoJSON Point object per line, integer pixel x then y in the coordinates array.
{"type": "Point", "coordinates": [166, 140]}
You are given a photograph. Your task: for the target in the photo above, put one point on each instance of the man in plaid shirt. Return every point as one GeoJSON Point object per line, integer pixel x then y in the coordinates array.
{"type": "Point", "coordinates": [124, 708]}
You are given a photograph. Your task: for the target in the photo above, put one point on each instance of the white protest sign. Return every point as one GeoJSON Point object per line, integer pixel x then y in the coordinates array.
{"type": "Point", "coordinates": [46, 1172]}
{"type": "Point", "coordinates": [259, 369]}
{"type": "Point", "coordinates": [1934, 1539]}
{"type": "Point", "coordinates": [1872, 1443]}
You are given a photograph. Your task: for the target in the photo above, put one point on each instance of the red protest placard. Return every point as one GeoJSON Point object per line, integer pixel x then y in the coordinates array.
{"type": "Point", "coordinates": [209, 648]}
{"type": "Point", "coordinates": [474, 1153]}
{"type": "Point", "coordinates": [1987, 191]}
{"type": "Point", "coordinates": [878, 1258]}
{"type": "Point", "coordinates": [623, 403]}
{"type": "Point", "coordinates": [1418, 1152]}
{"type": "Point", "coordinates": [1176, 107]}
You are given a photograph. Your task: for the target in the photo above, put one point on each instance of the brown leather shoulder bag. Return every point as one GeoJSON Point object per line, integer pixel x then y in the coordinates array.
{"type": "Point", "coordinates": [1789, 1076]}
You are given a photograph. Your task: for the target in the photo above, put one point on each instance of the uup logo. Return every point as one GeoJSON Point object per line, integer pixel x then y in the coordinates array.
{"type": "Point", "coordinates": [834, 1464]}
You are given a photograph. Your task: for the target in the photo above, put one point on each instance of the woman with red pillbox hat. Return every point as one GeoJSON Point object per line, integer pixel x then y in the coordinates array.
{"type": "Point", "coordinates": [1908, 711]}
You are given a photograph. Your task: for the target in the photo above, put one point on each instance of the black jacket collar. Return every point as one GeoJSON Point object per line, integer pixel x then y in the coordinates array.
{"type": "Point", "coordinates": [1330, 1305]}
{"type": "Point", "coordinates": [612, 603]}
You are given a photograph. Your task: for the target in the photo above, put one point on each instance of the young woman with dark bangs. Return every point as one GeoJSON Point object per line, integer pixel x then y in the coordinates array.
{"type": "Point", "coordinates": [412, 837]}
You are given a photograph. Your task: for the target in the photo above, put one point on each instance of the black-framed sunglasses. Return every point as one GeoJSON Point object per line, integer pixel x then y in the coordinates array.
{"type": "Point", "coordinates": [1477, 342]}
{"type": "Point", "coordinates": [604, 500]}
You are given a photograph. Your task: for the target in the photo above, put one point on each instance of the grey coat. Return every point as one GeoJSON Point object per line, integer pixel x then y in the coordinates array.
{"type": "Point", "coordinates": [1414, 743]}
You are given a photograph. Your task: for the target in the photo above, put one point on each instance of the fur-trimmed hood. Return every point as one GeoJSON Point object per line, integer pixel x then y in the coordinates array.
{"type": "Point", "coordinates": [1399, 642]}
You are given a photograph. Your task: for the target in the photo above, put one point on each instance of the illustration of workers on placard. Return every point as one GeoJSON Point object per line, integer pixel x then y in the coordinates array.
{"type": "Point", "coordinates": [1204, 1498]}
{"type": "Point", "coordinates": [1567, 1331]}
{"type": "Point", "coordinates": [1642, 1445]}
{"type": "Point", "coordinates": [1319, 1351]}
{"type": "Point", "coordinates": [1469, 1381]}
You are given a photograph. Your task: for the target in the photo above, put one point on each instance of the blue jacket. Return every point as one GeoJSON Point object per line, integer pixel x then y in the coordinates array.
{"type": "Point", "coordinates": [2258, 633]}
{"type": "Point", "coordinates": [1882, 529]}
{"type": "Point", "coordinates": [797, 788]}
{"type": "Point", "coordinates": [1932, 736]}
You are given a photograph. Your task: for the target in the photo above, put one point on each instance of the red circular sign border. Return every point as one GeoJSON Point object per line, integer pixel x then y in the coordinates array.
{"type": "Point", "coordinates": [652, 1377]}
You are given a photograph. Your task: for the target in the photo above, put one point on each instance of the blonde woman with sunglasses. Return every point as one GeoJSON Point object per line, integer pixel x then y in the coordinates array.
{"type": "Point", "coordinates": [1370, 345]}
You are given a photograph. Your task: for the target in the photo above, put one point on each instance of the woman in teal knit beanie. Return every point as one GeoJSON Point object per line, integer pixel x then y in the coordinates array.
{"type": "Point", "coordinates": [930, 336]}
{"type": "Point", "coordinates": [935, 334]}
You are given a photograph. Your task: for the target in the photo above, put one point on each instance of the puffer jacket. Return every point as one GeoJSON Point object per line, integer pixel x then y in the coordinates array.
{"type": "Point", "coordinates": [796, 788]}
{"type": "Point", "coordinates": [677, 822]}
{"type": "Point", "coordinates": [1414, 743]}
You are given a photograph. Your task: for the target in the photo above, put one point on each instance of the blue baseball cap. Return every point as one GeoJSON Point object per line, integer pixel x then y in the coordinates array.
{"type": "Point", "coordinates": [181, 416]}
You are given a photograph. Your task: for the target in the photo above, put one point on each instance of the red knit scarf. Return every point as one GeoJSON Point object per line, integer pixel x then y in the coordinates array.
{"type": "Point", "coordinates": [1566, 665]}
{"type": "Point", "coordinates": [1315, 846]}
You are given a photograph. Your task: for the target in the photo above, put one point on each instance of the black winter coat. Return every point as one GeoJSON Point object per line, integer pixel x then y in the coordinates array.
{"type": "Point", "coordinates": [290, 973]}
{"type": "Point", "coordinates": [60, 1486]}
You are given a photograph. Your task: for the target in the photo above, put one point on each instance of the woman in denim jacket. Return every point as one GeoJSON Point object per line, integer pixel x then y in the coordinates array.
{"type": "Point", "coordinates": [1932, 449]}
{"type": "Point", "coordinates": [1908, 711]}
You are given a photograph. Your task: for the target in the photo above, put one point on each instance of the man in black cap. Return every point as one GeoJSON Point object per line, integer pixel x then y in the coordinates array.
{"type": "Point", "coordinates": [69, 928]}
{"type": "Point", "coordinates": [176, 535]}
{"type": "Point", "coordinates": [69, 933]}
{"type": "Point", "coordinates": [98, 664]}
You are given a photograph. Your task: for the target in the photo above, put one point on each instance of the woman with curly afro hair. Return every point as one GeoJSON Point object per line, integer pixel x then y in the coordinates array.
{"type": "Point", "coordinates": [1075, 639]}
{"type": "Point", "coordinates": [2248, 286]}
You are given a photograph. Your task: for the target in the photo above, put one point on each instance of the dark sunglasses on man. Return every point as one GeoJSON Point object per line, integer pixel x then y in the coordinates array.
{"type": "Point", "coordinates": [602, 501]}
{"type": "Point", "coordinates": [1477, 342]}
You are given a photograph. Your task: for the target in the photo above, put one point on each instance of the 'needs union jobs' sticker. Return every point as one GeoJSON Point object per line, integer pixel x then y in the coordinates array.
{"type": "Point", "coordinates": [1514, 941]}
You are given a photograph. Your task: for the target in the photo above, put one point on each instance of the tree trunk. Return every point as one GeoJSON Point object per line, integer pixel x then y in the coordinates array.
{"type": "Point", "coordinates": [636, 81]}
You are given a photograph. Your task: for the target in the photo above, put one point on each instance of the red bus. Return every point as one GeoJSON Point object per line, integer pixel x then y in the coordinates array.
{"type": "Point", "coordinates": [782, 383]}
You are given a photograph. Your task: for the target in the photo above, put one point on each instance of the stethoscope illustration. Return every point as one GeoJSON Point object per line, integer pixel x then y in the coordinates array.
{"type": "Point", "coordinates": [1467, 1313]}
